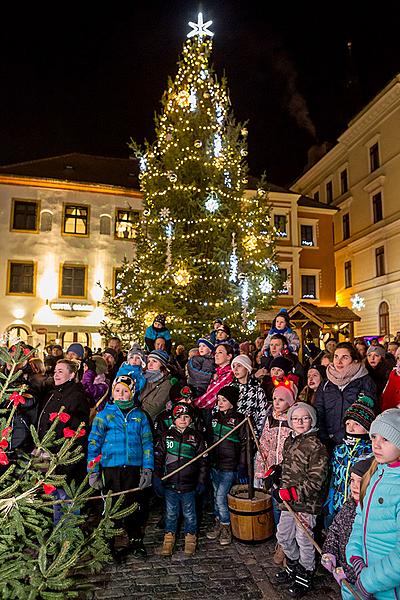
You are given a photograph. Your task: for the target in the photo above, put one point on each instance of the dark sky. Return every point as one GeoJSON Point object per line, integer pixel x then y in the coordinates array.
{"type": "Point", "coordinates": [80, 77]}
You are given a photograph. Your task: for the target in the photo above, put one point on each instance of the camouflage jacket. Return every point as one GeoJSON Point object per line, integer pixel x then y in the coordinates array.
{"type": "Point", "coordinates": [305, 466]}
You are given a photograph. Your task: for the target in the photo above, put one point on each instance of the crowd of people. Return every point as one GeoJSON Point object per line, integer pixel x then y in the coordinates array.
{"type": "Point", "coordinates": [328, 432]}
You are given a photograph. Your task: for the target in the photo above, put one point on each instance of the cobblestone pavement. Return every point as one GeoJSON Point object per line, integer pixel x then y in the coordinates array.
{"type": "Point", "coordinates": [237, 572]}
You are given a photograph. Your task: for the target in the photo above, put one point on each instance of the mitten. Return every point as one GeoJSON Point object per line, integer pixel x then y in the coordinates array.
{"type": "Point", "coordinates": [145, 478]}
{"type": "Point", "coordinates": [95, 481]}
{"type": "Point", "coordinates": [358, 564]}
{"type": "Point", "coordinates": [362, 592]}
{"type": "Point", "coordinates": [158, 487]}
{"type": "Point", "coordinates": [272, 476]}
{"type": "Point", "coordinates": [328, 561]}
{"type": "Point", "coordinates": [200, 489]}
{"type": "Point", "coordinates": [339, 575]}
{"type": "Point", "coordinates": [288, 494]}
{"type": "Point", "coordinates": [242, 474]}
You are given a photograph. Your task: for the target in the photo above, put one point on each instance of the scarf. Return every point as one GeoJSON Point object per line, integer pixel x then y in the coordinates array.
{"type": "Point", "coordinates": [354, 438]}
{"type": "Point", "coordinates": [274, 330]}
{"type": "Point", "coordinates": [153, 376]}
{"type": "Point", "coordinates": [125, 404]}
{"type": "Point", "coordinates": [355, 370]}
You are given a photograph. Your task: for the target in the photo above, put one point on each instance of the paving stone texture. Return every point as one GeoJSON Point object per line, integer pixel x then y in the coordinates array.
{"type": "Point", "coordinates": [238, 572]}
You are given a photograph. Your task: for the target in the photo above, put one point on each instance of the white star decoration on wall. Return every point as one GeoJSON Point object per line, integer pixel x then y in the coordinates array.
{"type": "Point", "coordinates": [200, 28]}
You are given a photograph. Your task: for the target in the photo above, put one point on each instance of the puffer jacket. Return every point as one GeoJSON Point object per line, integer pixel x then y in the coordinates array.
{"type": "Point", "coordinates": [155, 395]}
{"type": "Point", "coordinates": [200, 369]}
{"type": "Point", "coordinates": [135, 372]}
{"type": "Point", "coordinates": [252, 401]}
{"type": "Point", "coordinates": [331, 403]}
{"type": "Point", "coordinates": [95, 386]}
{"type": "Point", "coordinates": [338, 535]}
{"type": "Point", "coordinates": [391, 394]}
{"type": "Point", "coordinates": [375, 536]}
{"type": "Point", "coordinates": [121, 439]}
{"type": "Point", "coordinates": [231, 453]}
{"type": "Point", "coordinates": [275, 432]}
{"type": "Point", "coordinates": [305, 466]}
{"type": "Point", "coordinates": [152, 334]}
{"type": "Point", "coordinates": [175, 448]}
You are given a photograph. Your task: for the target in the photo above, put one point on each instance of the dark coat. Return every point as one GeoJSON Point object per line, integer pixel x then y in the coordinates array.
{"type": "Point", "coordinates": [231, 453]}
{"type": "Point", "coordinates": [331, 403]}
{"type": "Point", "coordinates": [338, 535]}
{"type": "Point", "coordinates": [379, 375]}
{"type": "Point", "coordinates": [24, 416]}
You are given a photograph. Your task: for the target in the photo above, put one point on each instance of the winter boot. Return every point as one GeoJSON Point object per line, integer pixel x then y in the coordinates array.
{"type": "Point", "coordinates": [287, 575]}
{"type": "Point", "coordinates": [226, 535]}
{"type": "Point", "coordinates": [302, 583]}
{"type": "Point", "coordinates": [168, 545]}
{"type": "Point", "coordinates": [279, 555]}
{"type": "Point", "coordinates": [190, 544]}
{"type": "Point", "coordinates": [215, 532]}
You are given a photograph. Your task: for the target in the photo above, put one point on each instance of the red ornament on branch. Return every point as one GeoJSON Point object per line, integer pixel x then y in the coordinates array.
{"type": "Point", "coordinates": [48, 488]}
{"type": "Point", "coordinates": [63, 417]}
{"type": "Point", "coordinates": [70, 433]}
{"type": "Point", "coordinates": [3, 458]}
{"type": "Point", "coordinates": [16, 399]}
{"type": "Point", "coordinates": [91, 463]}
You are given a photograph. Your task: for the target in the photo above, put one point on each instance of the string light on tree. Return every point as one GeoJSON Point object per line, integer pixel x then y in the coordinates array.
{"type": "Point", "coordinates": [357, 302]}
{"type": "Point", "coordinates": [266, 286]}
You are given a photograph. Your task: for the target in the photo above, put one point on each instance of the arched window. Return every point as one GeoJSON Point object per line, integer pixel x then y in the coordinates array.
{"type": "Point", "coordinates": [17, 332]}
{"type": "Point", "coordinates": [384, 326]}
{"type": "Point", "coordinates": [46, 220]}
{"type": "Point", "coordinates": [105, 225]}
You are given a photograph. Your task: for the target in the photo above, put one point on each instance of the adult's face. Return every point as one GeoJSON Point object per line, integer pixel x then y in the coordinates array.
{"type": "Point", "coordinates": [276, 347]}
{"type": "Point", "coordinates": [362, 350]}
{"type": "Point", "coordinates": [259, 343]}
{"type": "Point", "coordinates": [374, 359]}
{"type": "Point", "coordinates": [392, 349]}
{"type": "Point", "coordinates": [115, 345]}
{"type": "Point", "coordinates": [330, 346]}
{"type": "Point", "coordinates": [313, 379]}
{"type": "Point", "coordinates": [159, 344]}
{"type": "Point", "coordinates": [109, 360]}
{"type": "Point", "coordinates": [62, 374]}
{"type": "Point", "coordinates": [56, 352]}
{"type": "Point", "coordinates": [222, 358]}
{"type": "Point", "coordinates": [153, 364]}
{"type": "Point", "coordinates": [342, 359]}
{"type": "Point", "coordinates": [72, 356]}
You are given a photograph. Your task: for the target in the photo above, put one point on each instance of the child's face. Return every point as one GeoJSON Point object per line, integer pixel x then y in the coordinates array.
{"type": "Point", "coordinates": [278, 373]}
{"type": "Point", "coordinates": [121, 392]}
{"type": "Point", "coordinates": [385, 451]}
{"type": "Point", "coordinates": [203, 349]}
{"type": "Point", "coordinates": [183, 421]}
{"type": "Point", "coordinates": [224, 404]}
{"type": "Point", "coordinates": [280, 323]}
{"type": "Point", "coordinates": [135, 360]}
{"type": "Point", "coordinates": [280, 404]}
{"type": "Point", "coordinates": [354, 427]}
{"type": "Point", "coordinates": [301, 420]}
{"type": "Point", "coordinates": [355, 484]}
{"type": "Point", "coordinates": [313, 379]}
{"type": "Point", "coordinates": [239, 371]}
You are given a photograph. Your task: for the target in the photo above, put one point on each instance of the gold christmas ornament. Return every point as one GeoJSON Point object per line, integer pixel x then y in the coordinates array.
{"type": "Point", "coordinates": [244, 131]}
{"type": "Point", "coordinates": [182, 99]}
{"type": "Point", "coordinates": [198, 144]}
{"type": "Point", "coordinates": [249, 242]}
{"type": "Point", "coordinates": [182, 277]}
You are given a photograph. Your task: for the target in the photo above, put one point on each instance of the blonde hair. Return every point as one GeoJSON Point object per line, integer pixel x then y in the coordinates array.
{"type": "Point", "coordinates": [366, 479]}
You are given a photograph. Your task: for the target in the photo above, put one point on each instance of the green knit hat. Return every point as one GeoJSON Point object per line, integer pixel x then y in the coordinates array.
{"type": "Point", "coordinates": [361, 411]}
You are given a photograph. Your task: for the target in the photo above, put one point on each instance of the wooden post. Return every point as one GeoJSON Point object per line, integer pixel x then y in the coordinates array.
{"type": "Point", "coordinates": [250, 470]}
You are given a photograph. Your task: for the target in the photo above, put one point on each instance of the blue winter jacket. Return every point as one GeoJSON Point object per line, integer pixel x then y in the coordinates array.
{"type": "Point", "coordinates": [121, 439]}
{"type": "Point", "coordinates": [135, 372]}
{"type": "Point", "coordinates": [376, 534]}
{"type": "Point", "coordinates": [152, 334]}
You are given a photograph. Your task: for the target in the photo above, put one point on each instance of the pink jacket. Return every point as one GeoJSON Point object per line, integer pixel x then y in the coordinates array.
{"type": "Point", "coordinates": [275, 432]}
{"type": "Point", "coordinates": [222, 376]}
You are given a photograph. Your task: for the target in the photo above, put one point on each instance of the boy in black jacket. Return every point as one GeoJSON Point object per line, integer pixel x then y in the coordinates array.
{"type": "Point", "coordinates": [174, 448]}
{"type": "Point", "coordinates": [228, 460]}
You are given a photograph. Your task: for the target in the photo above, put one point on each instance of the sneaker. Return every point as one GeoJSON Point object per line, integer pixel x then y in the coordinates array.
{"type": "Point", "coordinates": [226, 535]}
{"type": "Point", "coordinates": [302, 583]}
{"type": "Point", "coordinates": [279, 555]}
{"type": "Point", "coordinates": [215, 532]}
{"type": "Point", "coordinates": [287, 575]}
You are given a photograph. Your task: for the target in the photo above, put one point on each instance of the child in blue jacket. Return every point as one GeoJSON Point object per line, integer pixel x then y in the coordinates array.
{"type": "Point", "coordinates": [156, 330]}
{"type": "Point", "coordinates": [373, 549]}
{"type": "Point", "coordinates": [120, 457]}
{"type": "Point", "coordinates": [133, 367]}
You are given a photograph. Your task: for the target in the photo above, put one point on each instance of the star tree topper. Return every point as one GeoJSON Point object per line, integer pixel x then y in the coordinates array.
{"type": "Point", "coordinates": [200, 28]}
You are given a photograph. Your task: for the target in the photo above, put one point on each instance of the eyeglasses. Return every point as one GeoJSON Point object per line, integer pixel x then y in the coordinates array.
{"type": "Point", "coordinates": [300, 419]}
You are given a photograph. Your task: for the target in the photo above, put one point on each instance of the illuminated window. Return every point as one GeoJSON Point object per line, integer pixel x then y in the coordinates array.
{"type": "Point", "coordinates": [280, 223]}
{"type": "Point", "coordinates": [76, 219]}
{"type": "Point", "coordinates": [284, 287]}
{"type": "Point", "coordinates": [348, 278]}
{"type": "Point", "coordinates": [308, 286]}
{"type": "Point", "coordinates": [73, 281]}
{"type": "Point", "coordinates": [24, 215]}
{"type": "Point", "coordinates": [125, 224]}
{"type": "Point", "coordinates": [21, 278]}
{"type": "Point", "coordinates": [307, 235]}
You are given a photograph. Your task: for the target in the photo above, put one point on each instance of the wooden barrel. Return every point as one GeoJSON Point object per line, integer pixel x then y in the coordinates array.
{"type": "Point", "coordinates": [251, 520]}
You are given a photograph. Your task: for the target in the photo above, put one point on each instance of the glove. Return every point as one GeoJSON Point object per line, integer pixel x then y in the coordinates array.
{"type": "Point", "coordinates": [272, 476]}
{"type": "Point", "coordinates": [328, 561]}
{"type": "Point", "coordinates": [91, 365]}
{"type": "Point", "coordinates": [362, 592]}
{"type": "Point", "coordinates": [95, 481]}
{"type": "Point", "coordinates": [145, 478]}
{"type": "Point", "coordinates": [242, 475]}
{"type": "Point", "coordinates": [200, 489]}
{"type": "Point", "coordinates": [358, 564]}
{"type": "Point", "coordinates": [288, 494]}
{"type": "Point", "coordinates": [158, 487]}
{"type": "Point", "coordinates": [339, 575]}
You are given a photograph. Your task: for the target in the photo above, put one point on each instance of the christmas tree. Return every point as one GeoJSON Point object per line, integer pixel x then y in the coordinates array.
{"type": "Point", "coordinates": [204, 247]}
{"type": "Point", "coordinates": [41, 559]}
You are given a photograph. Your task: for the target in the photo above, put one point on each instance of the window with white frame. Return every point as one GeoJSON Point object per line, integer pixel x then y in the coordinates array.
{"type": "Point", "coordinates": [281, 225]}
{"type": "Point", "coordinates": [310, 283]}
{"type": "Point", "coordinates": [308, 232]}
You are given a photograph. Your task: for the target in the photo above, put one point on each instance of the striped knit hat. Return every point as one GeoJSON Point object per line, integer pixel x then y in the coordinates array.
{"type": "Point", "coordinates": [361, 411]}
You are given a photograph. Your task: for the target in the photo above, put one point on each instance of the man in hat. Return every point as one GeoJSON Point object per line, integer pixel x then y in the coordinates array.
{"type": "Point", "coordinates": [158, 329]}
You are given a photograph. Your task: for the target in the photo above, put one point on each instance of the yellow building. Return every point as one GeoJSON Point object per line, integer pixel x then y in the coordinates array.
{"type": "Point", "coordinates": [360, 176]}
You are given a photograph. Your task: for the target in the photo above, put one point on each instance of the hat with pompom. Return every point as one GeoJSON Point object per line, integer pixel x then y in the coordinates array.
{"type": "Point", "coordinates": [361, 411]}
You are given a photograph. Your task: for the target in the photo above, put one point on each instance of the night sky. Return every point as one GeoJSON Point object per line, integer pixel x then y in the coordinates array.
{"type": "Point", "coordinates": [80, 77]}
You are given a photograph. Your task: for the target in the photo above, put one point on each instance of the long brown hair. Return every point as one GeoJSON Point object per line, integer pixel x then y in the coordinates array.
{"type": "Point", "coordinates": [366, 479]}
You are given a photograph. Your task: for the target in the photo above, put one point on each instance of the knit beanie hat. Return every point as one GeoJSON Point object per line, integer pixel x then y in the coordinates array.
{"type": "Point", "coordinates": [161, 356]}
{"type": "Point", "coordinates": [137, 351]}
{"type": "Point", "coordinates": [186, 394]}
{"type": "Point", "coordinates": [111, 352]}
{"type": "Point", "coordinates": [244, 347]}
{"type": "Point", "coordinates": [310, 409]}
{"type": "Point", "coordinates": [231, 393]}
{"type": "Point", "coordinates": [379, 350]}
{"type": "Point", "coordinates": [182, 409]}
{"type": "Point", "coordinates": [207, 343]}
{"type": "Point", "coordinates": [160, 319]}
{"type": "Point", "coordinates": [361, 411]}
{"type": "Point", "coordinates": [285, 392]}
{"type": "Point", "coordinates": [101, 365]}
{"type": "Point", "coordinates": [387, 424]}
{"type": "Point", "coordinates": [321, 370]}
{"type": "Point", "coordinates": [360, 467]}
{"type": "Point", "coordinates": [243, 360]}
{"type": "Point", "coordinates": [127, 381]}
{"type": "Point", "coordinates": [282, 363]}
{"type": "Point", "coordinates": [77, 348]}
